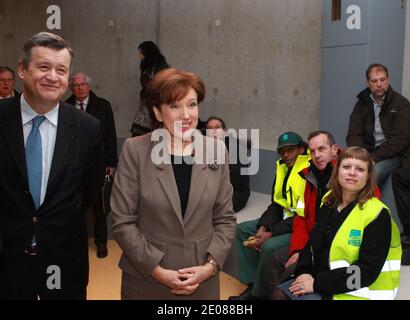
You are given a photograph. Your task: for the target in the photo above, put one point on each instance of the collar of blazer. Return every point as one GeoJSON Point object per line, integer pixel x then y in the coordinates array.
{"type": "Point", "coordinates": [65, 135]}
{"type": "Point", "coordinates": [200, 174]}
{"type": "Point", "coordinates": [13, 132]}
{"type": "Point", "coordinates": [12, 126]}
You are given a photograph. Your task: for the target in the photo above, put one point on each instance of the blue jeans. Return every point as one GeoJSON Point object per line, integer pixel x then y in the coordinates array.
{"type": "Point", "coordinates": [383, 169]}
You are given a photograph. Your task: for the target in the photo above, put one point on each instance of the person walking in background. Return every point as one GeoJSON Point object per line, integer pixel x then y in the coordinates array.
{"type": "Point", "coordinates": [152, 61]}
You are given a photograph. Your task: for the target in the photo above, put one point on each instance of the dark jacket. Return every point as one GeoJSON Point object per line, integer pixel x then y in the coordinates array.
{"type": "Point", "coordinates": [394, 119]}
{"type": "Point", "coordinates": [148, 73]}
{"type": "Point", "coordinates": [272, 218]}
{"type": "Point", "coordinates": [240, 182]}
{"type": "Point", "coordinates": [101, 109]}
{"type": "Point", "coordinates": [59, 223]}
{"type": "Point", "coordinates": [316, 187]}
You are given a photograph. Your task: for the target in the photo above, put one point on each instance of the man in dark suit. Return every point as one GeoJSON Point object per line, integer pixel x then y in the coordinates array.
{"type": "Point", "coordinates": [50, 170]}
{"type": "Point", "coordinates": [7, 80]}
{"type": "Point", "coordinates": [84, 99]}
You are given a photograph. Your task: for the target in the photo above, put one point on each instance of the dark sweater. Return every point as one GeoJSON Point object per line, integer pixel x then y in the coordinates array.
{"type": "Point", "coordinates": [182, 173]}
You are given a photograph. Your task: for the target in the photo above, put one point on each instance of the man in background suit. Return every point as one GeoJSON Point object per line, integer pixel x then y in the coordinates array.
{"type": "Point", "coordinates": [49, 175]}
{"type": "Point", "coordinates": [7, 80]}
{"type": "Point", "coordinates": [84, 99]}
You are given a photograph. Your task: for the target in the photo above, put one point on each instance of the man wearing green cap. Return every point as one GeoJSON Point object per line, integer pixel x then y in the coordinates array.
{"type": "Point", "coordinates": [273, 230]}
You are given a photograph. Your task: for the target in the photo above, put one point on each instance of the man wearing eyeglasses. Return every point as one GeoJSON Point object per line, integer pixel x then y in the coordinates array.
{"type": "Point", "coordinates": [7, 77]}
{"type": "Point", "coordinates": [273, 230]}
{"type": "Point", "coordinates": [84, 99]}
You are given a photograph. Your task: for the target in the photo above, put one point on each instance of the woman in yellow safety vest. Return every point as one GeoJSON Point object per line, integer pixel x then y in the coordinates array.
{"type": "Point", "coordinates": [354, 250]}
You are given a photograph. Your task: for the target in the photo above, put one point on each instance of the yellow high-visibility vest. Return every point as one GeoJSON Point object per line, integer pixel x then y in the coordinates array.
{"type": "Point", "coordinates": [345, 249]}
{"type": "Point", "coordinates": [295, 187]}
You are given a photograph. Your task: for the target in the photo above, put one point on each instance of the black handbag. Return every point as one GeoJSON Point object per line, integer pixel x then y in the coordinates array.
{"type": "Point", "coordinates": [106, 194]}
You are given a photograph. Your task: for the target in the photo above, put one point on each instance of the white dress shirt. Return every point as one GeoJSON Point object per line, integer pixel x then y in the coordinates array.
{"type": "Point", "coordinates": [48, 131]}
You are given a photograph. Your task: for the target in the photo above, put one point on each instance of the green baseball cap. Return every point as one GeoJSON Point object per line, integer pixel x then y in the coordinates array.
{"type": "Point", "coordinates": [289, 138]}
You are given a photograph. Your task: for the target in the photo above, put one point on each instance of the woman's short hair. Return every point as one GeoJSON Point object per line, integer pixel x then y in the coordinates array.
{"type": "Point", "coordinates": [217, 119]}
{"type": "Point", "coordinates": [336, 196]}
{"type": "Point", "coordinates": [170, 85]}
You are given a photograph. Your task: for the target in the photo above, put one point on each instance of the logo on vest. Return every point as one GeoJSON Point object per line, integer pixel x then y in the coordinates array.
{"type": "Point", "coordinates": [355, 238]}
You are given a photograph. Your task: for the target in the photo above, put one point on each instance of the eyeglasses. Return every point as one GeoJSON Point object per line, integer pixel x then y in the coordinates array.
{"type": "Point", "coordinates": [214, 127]}
{"type": "Point", "coordinates": [78, 85]}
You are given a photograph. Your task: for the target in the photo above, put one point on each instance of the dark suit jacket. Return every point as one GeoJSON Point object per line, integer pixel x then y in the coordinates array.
{"type": "Point", "coordinates": [240, 182]}
{"type": "Point", "coordinates": [59, 226]}
{"type": "Point", "coordinates": [101, 109]}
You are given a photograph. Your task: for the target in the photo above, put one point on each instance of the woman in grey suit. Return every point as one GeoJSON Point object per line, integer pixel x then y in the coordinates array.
{"type": "Point", "coordinates": [172, 200]}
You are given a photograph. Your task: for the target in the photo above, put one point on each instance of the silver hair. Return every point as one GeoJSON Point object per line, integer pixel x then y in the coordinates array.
{"type": "Point", "coordinates": [8, 69]}
{"type": "Point", "coordinates": [80, 74]}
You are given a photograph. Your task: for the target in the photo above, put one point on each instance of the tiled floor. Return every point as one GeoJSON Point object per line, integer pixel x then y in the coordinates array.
{"type": "Point", "coordinates": [105, 276]}
{"type": "Point", "coordinates": [404, 290]}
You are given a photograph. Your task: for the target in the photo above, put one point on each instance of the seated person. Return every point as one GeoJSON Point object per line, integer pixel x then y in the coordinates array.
{"type": "Point", "coordinates": [273, 230]}
{"type": "Point", "coordinates": [379, 123]}
{"type": "Point", "coordinates": [216, 128]}
{"type": "Point", "coordinates": [354, 249]}
{"type": "Point", "coordinates": [401, 188]}
{"type": "Point", "coordinates": [323, 151]}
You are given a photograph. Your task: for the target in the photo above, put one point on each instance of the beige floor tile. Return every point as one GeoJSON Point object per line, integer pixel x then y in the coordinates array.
{"type": "Point", "coordinates": [105, 276]}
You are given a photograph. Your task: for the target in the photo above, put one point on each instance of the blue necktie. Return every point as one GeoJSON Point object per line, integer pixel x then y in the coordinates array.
{"type": "Point", "coordinates": [34, 160]}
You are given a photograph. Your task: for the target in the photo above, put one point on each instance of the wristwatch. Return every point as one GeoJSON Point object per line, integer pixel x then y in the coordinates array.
{"type": "Point", "coordinates": [214, 264]}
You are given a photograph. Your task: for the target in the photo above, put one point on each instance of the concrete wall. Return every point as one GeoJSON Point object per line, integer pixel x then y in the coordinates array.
{"type": "Point", "coordinates": [260, 60]}
{"type": "Point", "coordinates": [104, 35]}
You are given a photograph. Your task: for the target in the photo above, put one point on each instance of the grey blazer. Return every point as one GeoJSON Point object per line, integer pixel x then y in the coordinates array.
{"type": "Point", "coordinates": [148, 224]}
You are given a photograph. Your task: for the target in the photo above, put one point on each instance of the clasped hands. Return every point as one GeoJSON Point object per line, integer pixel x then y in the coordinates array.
{"type": "Point", "coordinates": [183, 281]}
